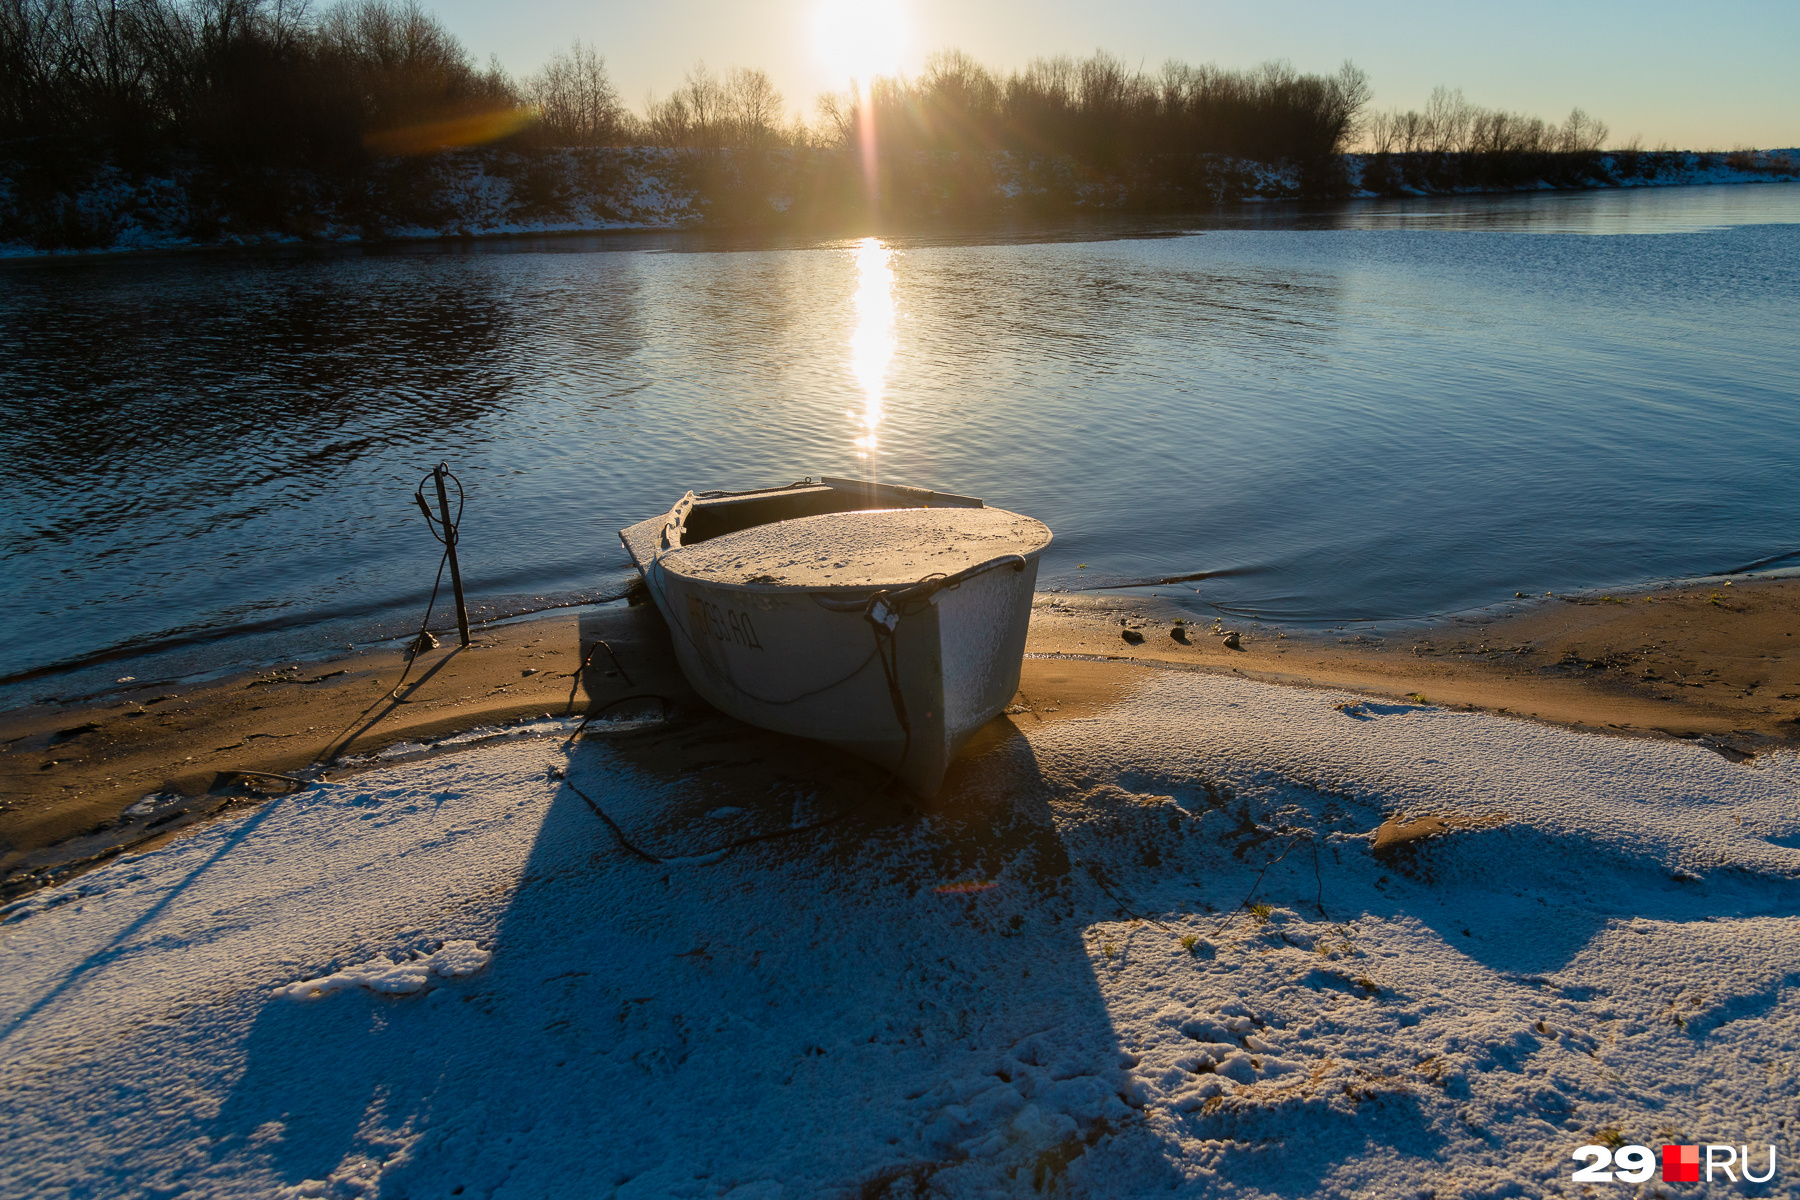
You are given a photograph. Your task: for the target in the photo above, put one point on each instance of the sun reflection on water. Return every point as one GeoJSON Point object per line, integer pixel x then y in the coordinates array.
{"type": "Point", "coordinates": [872, 344]}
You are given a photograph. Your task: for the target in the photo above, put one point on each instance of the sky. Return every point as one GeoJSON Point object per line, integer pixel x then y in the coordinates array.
{"type": "Point", "coordinates": [1700, 76]}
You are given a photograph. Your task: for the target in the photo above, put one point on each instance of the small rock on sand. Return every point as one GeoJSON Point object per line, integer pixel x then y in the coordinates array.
{"type": "Point", "coordinates": [1231, 641]}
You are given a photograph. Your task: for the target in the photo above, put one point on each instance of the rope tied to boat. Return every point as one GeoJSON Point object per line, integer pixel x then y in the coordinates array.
{"type": "Point", "coordinates": [883, 610]}
{"type": "Point", "coordinates": [720, 494]}
{"type": "Point", "coordinates": [903, 601]}
{"type": "Point", "coordinates": [674, 526]}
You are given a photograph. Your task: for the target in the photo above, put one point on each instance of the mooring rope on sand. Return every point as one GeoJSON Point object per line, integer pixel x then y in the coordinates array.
{"type": "Point", "coordinates": [334, 749]}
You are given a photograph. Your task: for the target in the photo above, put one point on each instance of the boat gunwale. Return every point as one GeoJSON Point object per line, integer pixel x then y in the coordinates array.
{"type": "Point", "coordinates": [865, 591]}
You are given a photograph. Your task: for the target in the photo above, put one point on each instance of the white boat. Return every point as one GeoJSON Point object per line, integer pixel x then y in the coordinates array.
{"type": "Point", "coordinates": [887, 620]}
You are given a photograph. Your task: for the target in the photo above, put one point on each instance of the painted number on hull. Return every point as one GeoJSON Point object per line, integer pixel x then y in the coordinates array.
{"type": "Point", "coordinates": [726, 624]}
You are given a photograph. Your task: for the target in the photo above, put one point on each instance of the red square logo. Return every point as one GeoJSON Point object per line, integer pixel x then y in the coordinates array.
{"type": "Point", "coordinates": [1681, 1164]}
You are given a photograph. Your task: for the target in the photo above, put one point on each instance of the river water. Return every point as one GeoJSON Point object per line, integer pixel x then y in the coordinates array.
{"type": "Point", "coordinates": [1373, 411]}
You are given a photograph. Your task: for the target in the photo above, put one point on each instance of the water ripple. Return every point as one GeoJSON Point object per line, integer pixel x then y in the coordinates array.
{"type": "Point", "coordinates": [1335, 416]}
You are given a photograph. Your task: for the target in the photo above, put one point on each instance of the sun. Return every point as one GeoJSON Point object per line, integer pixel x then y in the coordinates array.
{"type": "Point", "coordinates": [860, 39]}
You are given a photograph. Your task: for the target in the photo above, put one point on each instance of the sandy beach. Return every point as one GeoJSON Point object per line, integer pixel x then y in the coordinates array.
{"type": "Point", "coordinates": [1713, 663]}
{"type": "Point", "coordinates": [1305, 917]}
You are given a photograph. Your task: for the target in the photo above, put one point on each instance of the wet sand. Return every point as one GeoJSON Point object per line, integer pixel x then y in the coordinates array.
{"type": "Point", "coordinates": [1715, 663]}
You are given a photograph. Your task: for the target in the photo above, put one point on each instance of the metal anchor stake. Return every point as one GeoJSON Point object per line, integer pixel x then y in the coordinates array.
{"type": "Point", "coordinates": [450, 537]}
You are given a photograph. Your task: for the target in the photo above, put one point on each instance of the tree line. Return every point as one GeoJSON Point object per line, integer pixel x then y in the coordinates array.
{"type": "Point", "coordinates": [1101, 112]}
{"type": "Point", "coordinates": [1449, 124]}
{"type": "Point", "coordinates": [248, 80]}
{"type": "Point", "coordinates": [263, 80]}
{"type": "Point", "coordinates": [272, 82]}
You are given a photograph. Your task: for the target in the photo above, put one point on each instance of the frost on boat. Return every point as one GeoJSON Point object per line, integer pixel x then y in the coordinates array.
{"type": "Point", "coordinates": [887, 620]}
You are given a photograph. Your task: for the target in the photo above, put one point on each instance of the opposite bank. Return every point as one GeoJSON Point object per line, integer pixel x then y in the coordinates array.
{"type": "Point", "coordinates": [58, 205]}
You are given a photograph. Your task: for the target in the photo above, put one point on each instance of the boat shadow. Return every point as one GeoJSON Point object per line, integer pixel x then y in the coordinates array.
{"type": "Point", "coordinates": [900, 999]}
{"type": "Point", "coordinates": [905, 1000]}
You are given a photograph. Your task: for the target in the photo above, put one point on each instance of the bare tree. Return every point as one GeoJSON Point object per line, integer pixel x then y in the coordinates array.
{"type": "Point", "coordinates": [752, 110]}
{"type": "Point", "coordinates": [1415, 132]}
{"type": "Point", "coordinates": [704, 97]}
{"type": "Point", "coordinates": [961, 82]}
{"type": "Point", "coordinates": [836, 125]}
{"type": "Point", "coordinates": [1581, 134]}
{"type": "Point", "coordinates": [1052, 81]}
{"type": "Point", "coordinates": [579, 104]}
{"type": "Point", "coordinates": [404, 64]}
{"type": "Point", "coordinates": [743, 110]}
{"type": "Point", "coordinates": [1450, 124]}
{"type": "Point", "coordinates": [1447, 120]}
{"type": "Point", "coordinates": [1351, 93]}
{"type": "Point", "coordinates": [1379, 132]}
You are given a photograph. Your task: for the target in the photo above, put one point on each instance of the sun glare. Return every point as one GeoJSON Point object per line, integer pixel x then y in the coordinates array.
{"type": "Point", "coordinates": [860, 39]}
{"type": "Point", "coordinates": [873, 342]}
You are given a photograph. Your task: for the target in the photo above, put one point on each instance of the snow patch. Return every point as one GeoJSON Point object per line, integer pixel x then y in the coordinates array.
{"type": "Point", "coordinates": [390, 978]}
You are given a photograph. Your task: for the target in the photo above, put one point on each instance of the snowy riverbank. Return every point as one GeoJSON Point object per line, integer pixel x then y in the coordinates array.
{"type": "Point", "coordinates": [500, 193]}
{"type": "Point", "coordinates": [992, 999]}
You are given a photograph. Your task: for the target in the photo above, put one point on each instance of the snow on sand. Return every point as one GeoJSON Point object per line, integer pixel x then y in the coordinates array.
{"type": "Point", "coordinates": [446, 978]}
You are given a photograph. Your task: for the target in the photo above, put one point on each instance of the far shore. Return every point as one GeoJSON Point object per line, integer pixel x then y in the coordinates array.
{"type": "Point", "coordinates": [1710, 663]}
{"type": "Point", "coordinates": [486, 195]}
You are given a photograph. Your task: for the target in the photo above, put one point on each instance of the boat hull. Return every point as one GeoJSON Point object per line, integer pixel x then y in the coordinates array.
{"type": "Point", "coordinates": [813, 663]}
